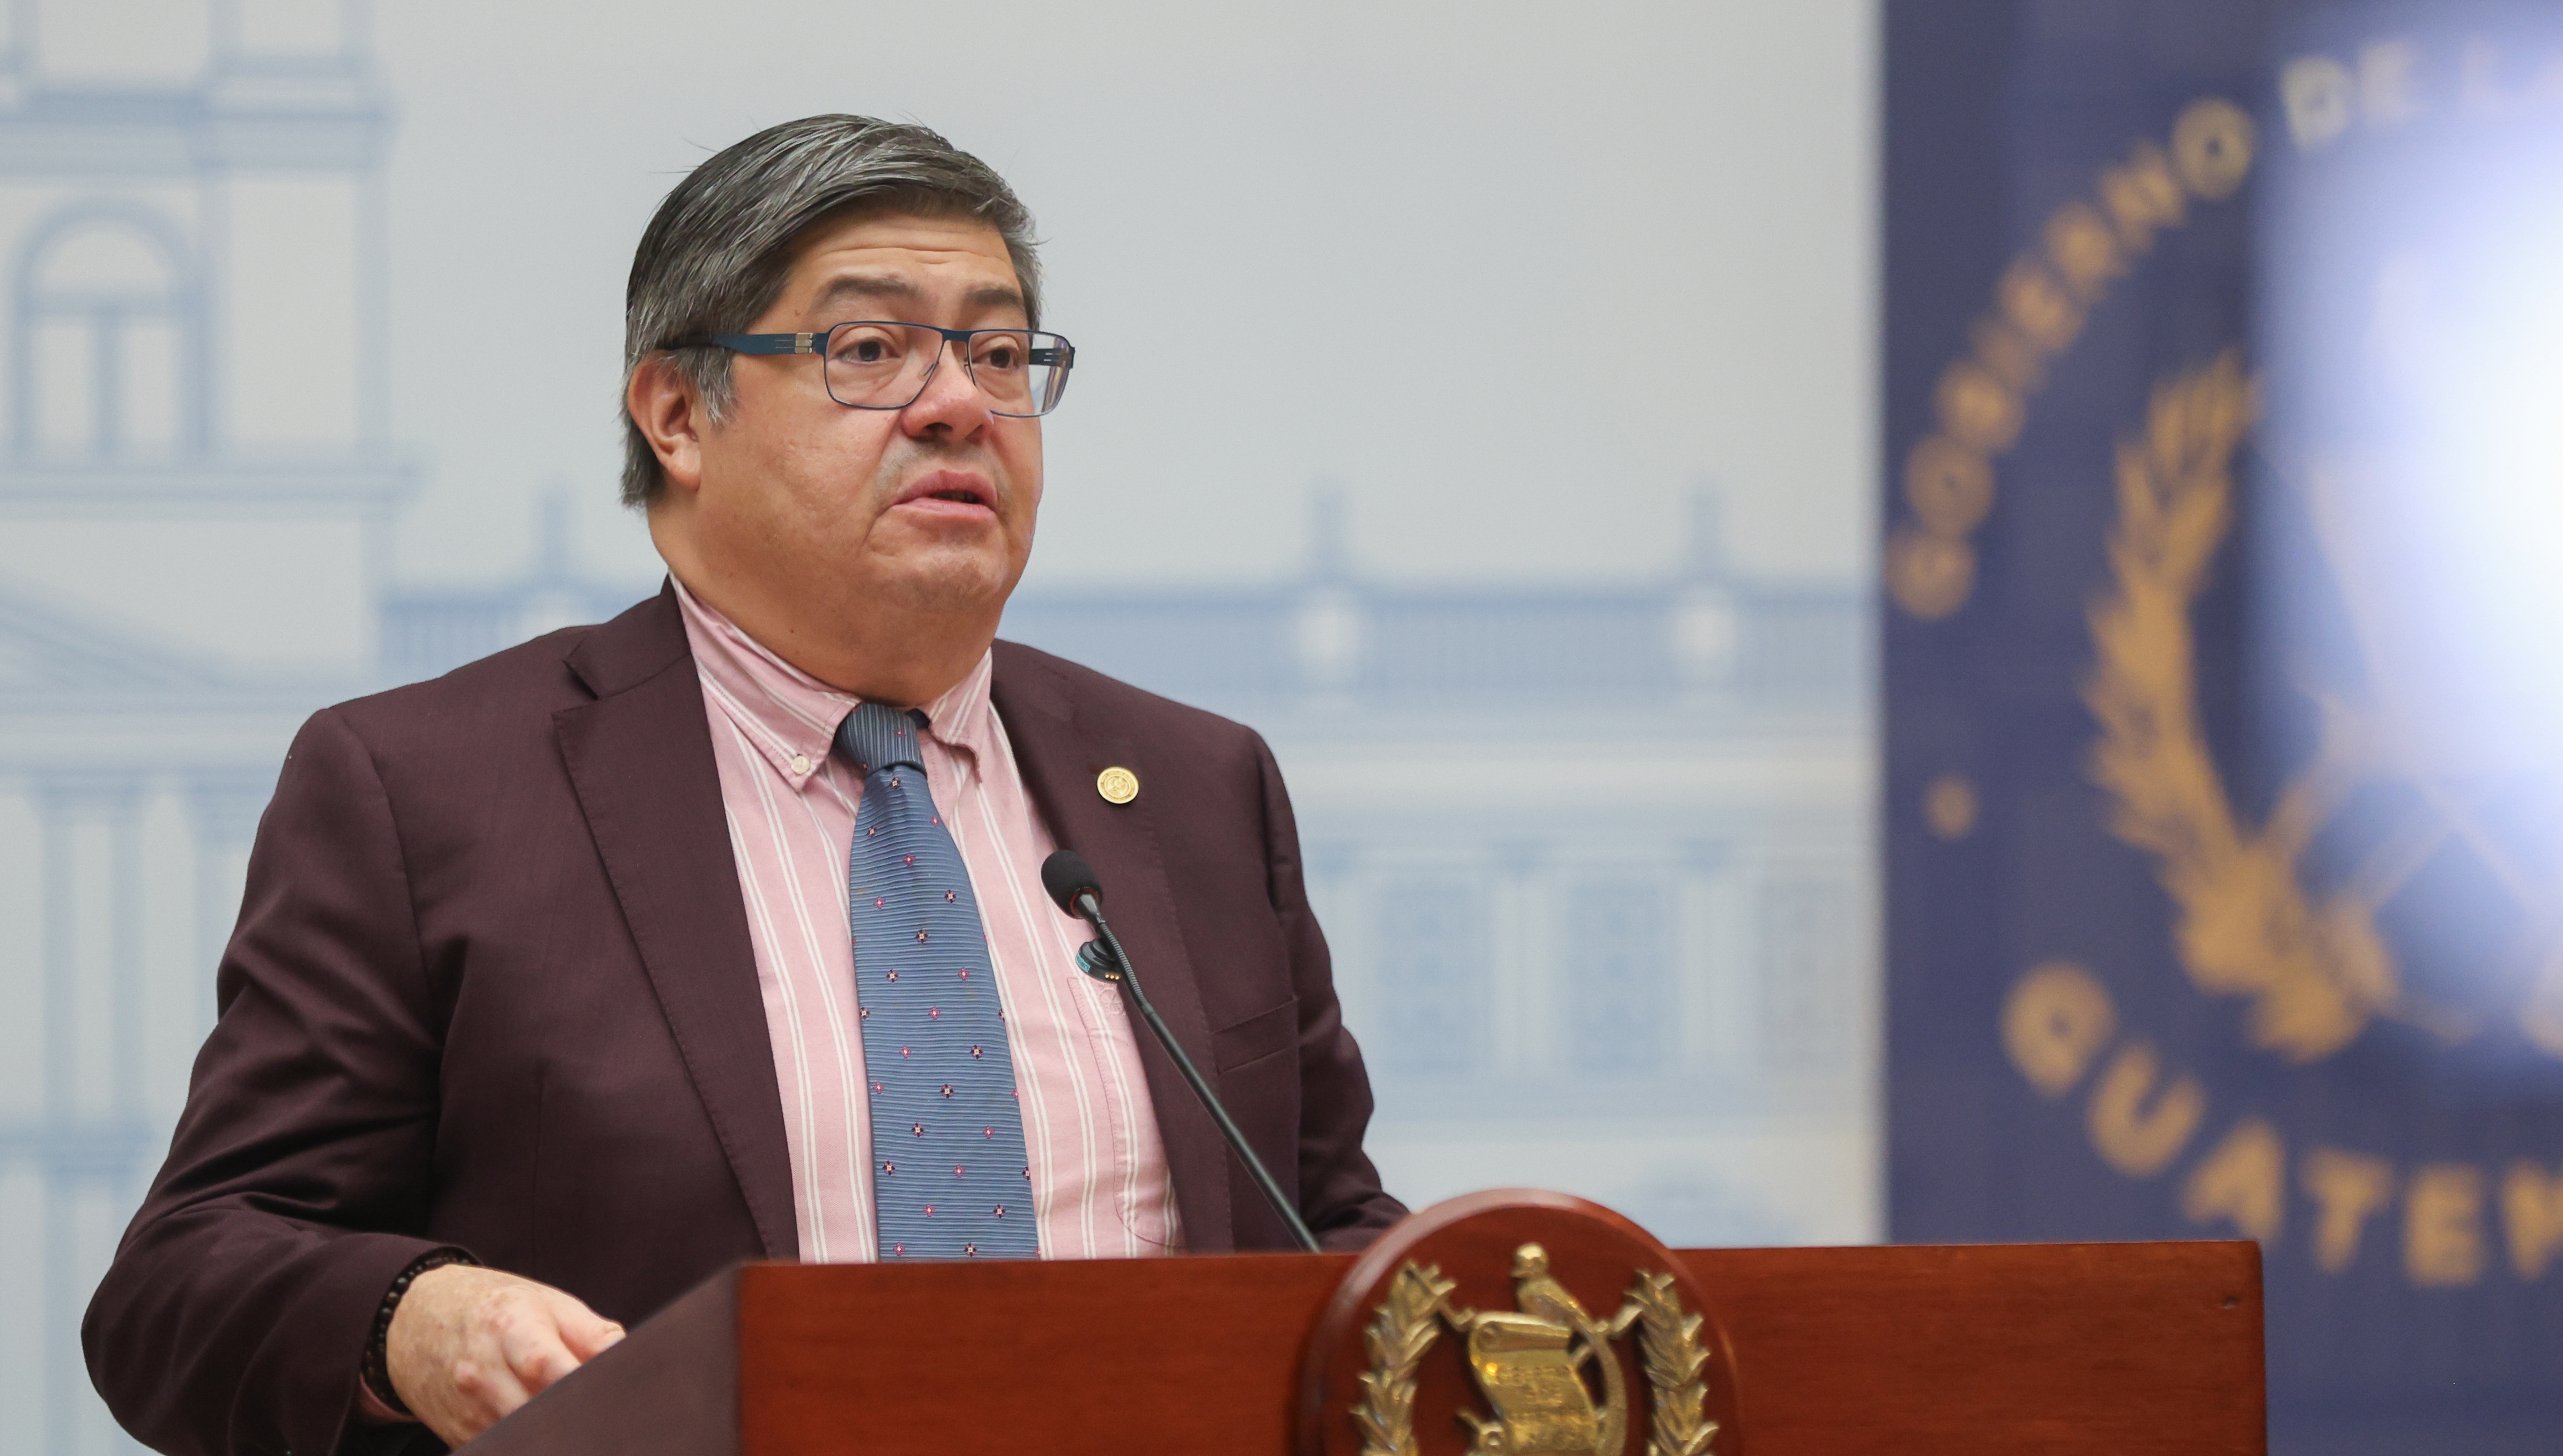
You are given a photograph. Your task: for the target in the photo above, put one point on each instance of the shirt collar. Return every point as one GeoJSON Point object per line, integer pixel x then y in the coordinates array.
{"type": "Point", "coordinates": [791, 717]}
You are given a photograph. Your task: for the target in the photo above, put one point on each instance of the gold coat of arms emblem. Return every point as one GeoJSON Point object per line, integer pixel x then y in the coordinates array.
{"type": "Point", "coordinates": [1546, 1370]}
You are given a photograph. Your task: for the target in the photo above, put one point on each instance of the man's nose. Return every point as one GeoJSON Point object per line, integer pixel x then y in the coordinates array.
{"type": "Point", "coordinates": [953, 401]}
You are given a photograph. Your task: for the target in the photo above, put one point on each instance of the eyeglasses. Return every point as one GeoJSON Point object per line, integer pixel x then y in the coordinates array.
{"type": "Point", "coordinates": [871, 364]}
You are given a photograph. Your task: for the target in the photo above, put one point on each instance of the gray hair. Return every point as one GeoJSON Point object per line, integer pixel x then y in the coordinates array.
{"type": "Point", "coordinates": [716, 255]}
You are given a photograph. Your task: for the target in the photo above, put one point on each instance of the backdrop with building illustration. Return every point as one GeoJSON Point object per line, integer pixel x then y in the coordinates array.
{"type": "Point", "coordinates": [283, 420]}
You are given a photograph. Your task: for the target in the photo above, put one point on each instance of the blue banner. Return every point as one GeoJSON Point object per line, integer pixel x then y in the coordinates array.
{"type": "Point", "coordinates": [2223, 654]}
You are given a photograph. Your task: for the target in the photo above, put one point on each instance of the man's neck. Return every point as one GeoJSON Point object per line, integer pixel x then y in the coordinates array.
{"type": "Point", "coordinates": [859, 665]}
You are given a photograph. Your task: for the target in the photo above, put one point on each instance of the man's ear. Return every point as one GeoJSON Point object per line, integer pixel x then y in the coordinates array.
{"type": "Point", "coordinates": [668, 410]}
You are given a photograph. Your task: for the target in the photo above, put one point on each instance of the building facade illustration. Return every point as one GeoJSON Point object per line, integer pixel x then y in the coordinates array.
{"type": "Point", "coordinates": [1594, 860]}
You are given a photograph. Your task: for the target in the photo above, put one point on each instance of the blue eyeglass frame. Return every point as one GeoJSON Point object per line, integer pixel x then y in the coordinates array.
{"type": "Point", "coordinates": [1061, 358]}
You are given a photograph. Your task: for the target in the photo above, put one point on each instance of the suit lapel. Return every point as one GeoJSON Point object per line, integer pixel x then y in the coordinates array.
{"type": "Point", "coordinates": [640, 758]}
{"type": "Point", "coordinates": [1059, 753]}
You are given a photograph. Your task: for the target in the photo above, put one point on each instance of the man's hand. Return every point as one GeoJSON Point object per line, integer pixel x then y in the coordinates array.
{"type": "Point", "coordinates": [470, 1344]}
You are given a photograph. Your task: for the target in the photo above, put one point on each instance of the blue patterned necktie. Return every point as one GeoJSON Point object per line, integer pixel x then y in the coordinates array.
{"type": "Point", "coordinates": [950, 1179]}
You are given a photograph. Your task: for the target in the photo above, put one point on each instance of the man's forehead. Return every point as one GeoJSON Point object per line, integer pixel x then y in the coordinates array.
{"type": "Point", "coordinates": [900, 254]}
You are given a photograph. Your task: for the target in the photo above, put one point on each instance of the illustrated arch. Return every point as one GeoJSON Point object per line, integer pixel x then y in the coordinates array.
{"type": "Point", "coordinates": [105, 347]}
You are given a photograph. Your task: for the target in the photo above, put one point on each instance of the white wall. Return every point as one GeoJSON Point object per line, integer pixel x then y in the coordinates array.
{"type": "Point", "coordinates": [1664, 210]}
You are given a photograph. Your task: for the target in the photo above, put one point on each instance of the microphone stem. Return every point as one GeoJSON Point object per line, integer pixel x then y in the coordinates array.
{"type": "Point", "coordinates": [1092, 909]}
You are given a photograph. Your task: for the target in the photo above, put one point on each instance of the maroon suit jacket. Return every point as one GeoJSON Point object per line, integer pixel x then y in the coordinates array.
{"type": "Point", "coordinates": [491, 987]}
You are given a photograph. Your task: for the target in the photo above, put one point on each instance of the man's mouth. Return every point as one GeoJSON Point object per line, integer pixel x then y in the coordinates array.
{"type": "Point", "coordinates": [957, 487]}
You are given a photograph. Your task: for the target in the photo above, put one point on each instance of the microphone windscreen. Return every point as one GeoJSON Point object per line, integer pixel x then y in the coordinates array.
{"type": "Point", "coordinates": [1066, 875]}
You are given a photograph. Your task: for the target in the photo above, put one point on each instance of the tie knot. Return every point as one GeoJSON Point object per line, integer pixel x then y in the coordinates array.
{"type": "Point", "coordinates": [878, 736]}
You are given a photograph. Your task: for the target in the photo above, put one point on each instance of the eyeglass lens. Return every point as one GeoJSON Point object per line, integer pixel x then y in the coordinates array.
{"type": "Point", "coordinates": [885, 366]}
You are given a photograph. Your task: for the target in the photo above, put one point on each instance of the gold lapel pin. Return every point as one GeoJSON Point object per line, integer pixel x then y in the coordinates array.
{"type": "Point", "coordinates": [1117, 785]}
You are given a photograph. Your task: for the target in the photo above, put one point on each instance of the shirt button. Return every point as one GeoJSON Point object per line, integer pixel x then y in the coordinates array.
{"type": "Point", "coordinates": [800, 764]}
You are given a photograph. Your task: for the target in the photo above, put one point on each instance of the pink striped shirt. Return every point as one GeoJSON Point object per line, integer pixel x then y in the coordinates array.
{"type": "Point", "coordinates": [1099, 1183]}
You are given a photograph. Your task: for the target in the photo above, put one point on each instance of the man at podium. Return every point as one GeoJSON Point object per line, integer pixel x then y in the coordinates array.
{"type": "Point", "coordinates": [716, 932]}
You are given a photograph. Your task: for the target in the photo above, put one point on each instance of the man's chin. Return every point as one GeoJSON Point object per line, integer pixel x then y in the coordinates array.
{"type": "Point", "coordinates": [956, 582]}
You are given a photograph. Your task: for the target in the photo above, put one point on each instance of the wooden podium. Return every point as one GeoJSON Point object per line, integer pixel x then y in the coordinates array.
{"type": "Point", "coordinates": [2123, 1348]}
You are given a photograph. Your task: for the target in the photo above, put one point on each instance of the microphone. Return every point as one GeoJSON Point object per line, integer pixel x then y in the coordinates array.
{"type": "Point", "coordinates": [1072, 884]}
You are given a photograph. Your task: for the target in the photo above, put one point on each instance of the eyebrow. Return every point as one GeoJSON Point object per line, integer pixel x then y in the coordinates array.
{"type": "Point", "coordinates": [846, 287]}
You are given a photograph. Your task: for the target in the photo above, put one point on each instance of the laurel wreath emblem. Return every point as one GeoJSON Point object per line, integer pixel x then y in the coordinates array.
{"type": "Point", "coordinates": [1668, 1344]}
{"type": "Point", "coordinates": [1403, 1330]}
{"type": "Point", "coordinates": [2315, 972]}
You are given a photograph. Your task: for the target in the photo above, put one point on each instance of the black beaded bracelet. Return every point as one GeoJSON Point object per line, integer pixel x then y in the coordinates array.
{"type": "Point", "coordinates": [377, 1370]}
